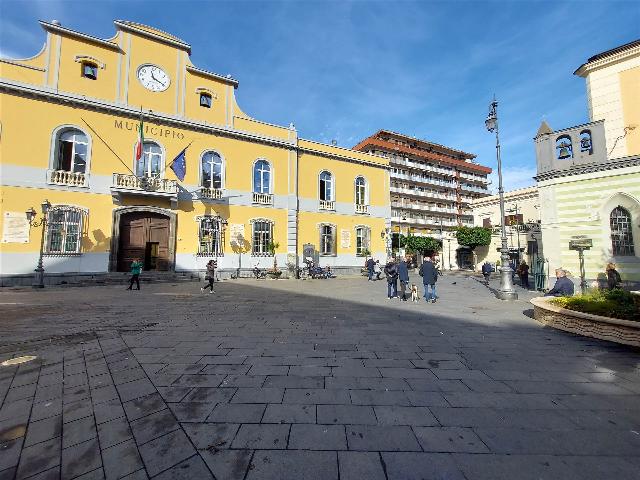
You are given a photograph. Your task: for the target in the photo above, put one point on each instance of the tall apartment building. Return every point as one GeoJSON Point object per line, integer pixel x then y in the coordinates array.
{"type": "Point", "coordinates": [431, 186]}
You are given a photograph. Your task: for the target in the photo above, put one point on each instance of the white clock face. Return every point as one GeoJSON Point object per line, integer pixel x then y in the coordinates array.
{"type": "Point", "coordinates": [153, 78]}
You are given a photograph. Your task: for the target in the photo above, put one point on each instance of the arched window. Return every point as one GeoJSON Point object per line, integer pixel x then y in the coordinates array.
{"type": "Point", "coordinates": [71, 151]}
{"type": "Point", "coordinates": [564, 149]}
{"type": "Point", "coordinates": [621, 235]}
{"type": "Point", "coordinates": [64, 230]}
{"type": "Point", "coordinates": [585, 142]}
{"type": "Point", "coordinates": [326, 186]}
{"type": "Point", "coordinates": [150, 163]}
{"type": "Point", "coordinates": [361, 191]}
{"type": "Point", "coordinates": [262, 177]}
{"type": "Point", "coordinates": [211, 170]}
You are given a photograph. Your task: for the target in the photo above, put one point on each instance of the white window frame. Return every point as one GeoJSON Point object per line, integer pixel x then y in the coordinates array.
{"type": "Point", "coordinates": [323, 183]}
{"type": "Point", "coordinates": [269, 184]}
{"type": "Point", "coordinates": [147, 173]}
{"type": "Point", "coordinates": [365, 239]}
{"type": "Point", "coordinates": [222, 169]}
{"type": "Point", "coordinates": [73, 216]}
{"type": "Point", "coordinates": [365, 193]}
{"type": "Point", "coordinates": [331, 252]}
{"type": "Point", "coordinates": [56, 144]}
{"type": "Point", "coordinates": [261, 248]}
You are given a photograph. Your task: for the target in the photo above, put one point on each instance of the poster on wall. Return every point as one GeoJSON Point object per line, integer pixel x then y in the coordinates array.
{"type": "Point", "coordinates": [15, 228]}
{"type": "Point", "coordinates": [345, 239]}
{"type": "Point", "coordinates": [236, 234]}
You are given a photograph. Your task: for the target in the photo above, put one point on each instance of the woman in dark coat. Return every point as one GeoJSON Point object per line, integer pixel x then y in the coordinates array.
{"type": "Point", "coordinates": [613, 277]}
{"type": "Point", "coordinates": [210, 276]}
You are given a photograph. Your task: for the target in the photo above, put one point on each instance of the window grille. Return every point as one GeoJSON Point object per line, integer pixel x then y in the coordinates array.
{"type": "Point", "coordinates": [72, 151]}
{"type": "Point", "coordinates": [64, 230]}
{"type": "Point", "coordinates": [621, 235]}
{"type": "Point", "coordinates": [211, 170]}
{"type": "Point", "coordinates": [262, 233]}
{"type": "Point", "coordinates": [327, 240]}
{"type": "Point", "coordinates": [211, 237]}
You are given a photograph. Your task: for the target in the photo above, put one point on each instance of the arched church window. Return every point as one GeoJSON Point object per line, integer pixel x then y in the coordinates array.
{"type": "Point", "coordinates": [564, 149]}
{"type": "Point", "coordinates": [621, 235]}
{"type": "Point", "coordinates": [585, 142]}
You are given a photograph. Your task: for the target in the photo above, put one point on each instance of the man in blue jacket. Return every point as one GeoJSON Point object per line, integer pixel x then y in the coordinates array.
{"type": "Point", "coordinates": [370, 263]}
{"type": "Point", "coordinates": [403, 276]}
{"type": "Point", "coordinates": [429, 276]}
{"type": "Point", "coordinates": [563, 287]}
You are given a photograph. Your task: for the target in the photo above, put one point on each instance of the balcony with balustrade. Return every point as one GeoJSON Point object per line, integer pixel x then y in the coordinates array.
{"type": "Point", "coordinates": [429, 168]}
{"type": "Point", "coordinates": [423, 207]}
{"type": "Point", "coordinates": [211, 193]}
{"type": "Point", "coordinates": [132, 185]}
{"type": "Point", "coordinates": [432, 221]}
{"type": "Point", "coordinates": [66, 178]}
{"type": "Point", "coordinates": [262, 198]}
{"type": "Point", "coordinates": [423, 194]}
{"type": "Point", "coordinates": [473, 188]}
{"type": "Point", "coordinates": [328, 205]}
{"type": "Point", "coordinates": [419, 179]}
{"type": "Point", "coordinates": [362, 209]}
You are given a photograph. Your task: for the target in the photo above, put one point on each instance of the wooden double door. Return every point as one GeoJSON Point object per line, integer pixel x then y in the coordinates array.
{"type": "Point", "coordinates": [145, 236]}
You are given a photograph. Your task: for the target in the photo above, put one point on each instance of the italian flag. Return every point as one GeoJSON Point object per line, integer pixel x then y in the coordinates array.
{"type": "Point", "coordinates": [140, 140]}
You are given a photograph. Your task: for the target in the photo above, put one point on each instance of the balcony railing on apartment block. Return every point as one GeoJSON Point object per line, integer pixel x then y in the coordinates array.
{"type": "Point", "coordinates": [409, 191]}
{"type": "Point", "coordinates": [144, 184]}
{"type": "Point", "coordinates": [362, 209]}
{"type": "Point", "coordinates": [63, 177]}
{"type": "Point", "coordinates": [262, 198]}
{"type": "Point", "coordinates": [211, 193]}
{"type": "Point", "coordinates": [327, 205]}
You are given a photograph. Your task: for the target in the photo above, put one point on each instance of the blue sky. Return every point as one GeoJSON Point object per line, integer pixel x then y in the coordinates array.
{"type": "Point", "coordinates": [344, 69]}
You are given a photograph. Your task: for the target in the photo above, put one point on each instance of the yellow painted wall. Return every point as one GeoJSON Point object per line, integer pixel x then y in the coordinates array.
{"type": "Point", "coordinates": [630, 93]}
{"type": "Point", "coordinates": [217, 113]}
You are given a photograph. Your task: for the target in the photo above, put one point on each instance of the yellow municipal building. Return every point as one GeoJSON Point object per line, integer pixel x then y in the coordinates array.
{"type": "Point", "coordinates": [68, 132]}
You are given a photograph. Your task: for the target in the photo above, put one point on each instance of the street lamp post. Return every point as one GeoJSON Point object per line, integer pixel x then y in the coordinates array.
{"type": "Point", "coordinates": [506, 290]}
{"type": "Point", "coordinates": [515, 209]}
{"type": "Point", "coordinates": [38, 281]}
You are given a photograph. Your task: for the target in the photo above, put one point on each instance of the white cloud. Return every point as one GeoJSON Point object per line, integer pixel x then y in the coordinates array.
{"type": "Point", "coordinates": [513, 178]}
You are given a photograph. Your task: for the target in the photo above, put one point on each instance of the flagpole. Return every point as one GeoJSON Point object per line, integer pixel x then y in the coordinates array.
{"type": "Point", "coordinates": [184, 149]}
{"type": "Point", "coordinates": [107, 145]}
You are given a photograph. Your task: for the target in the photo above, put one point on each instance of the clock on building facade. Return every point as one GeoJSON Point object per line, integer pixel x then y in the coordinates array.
{"type": "Point", "coordinates": [153, 78]}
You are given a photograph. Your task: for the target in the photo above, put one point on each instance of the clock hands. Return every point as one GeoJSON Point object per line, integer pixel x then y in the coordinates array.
{"type": "Point", "coordinates": [158, 81]}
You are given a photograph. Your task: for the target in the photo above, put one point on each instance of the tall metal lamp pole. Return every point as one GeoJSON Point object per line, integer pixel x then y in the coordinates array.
{"type": "Point", "coordinates": [506, 290]}
{"type": "Point", "coordinates": [31, 213]}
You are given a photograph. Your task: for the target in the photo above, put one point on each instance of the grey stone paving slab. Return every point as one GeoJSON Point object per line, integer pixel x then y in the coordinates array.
{"type": "Point", "coordinates": [420, 466]}
{"type": "Point", "coordinates": [366, 383]}
{"type": "Point", "coordinates": [316, 396]}
{"type": "Point", "coordinates": [237, 413]}
{"type": "Point", "coordinates": [379, 397]}
{"type": "Point", "coordinates": [173, 394]}
{"type": "Point", "coordinates": [81, 458]}
{"type": "Point", "coordinates": [135, 389]}
{"type": "Point", "coordinates": [43, 430]}
{"type": "Point", "coordinates": [317, 437]}
{"type": "Point", "coordinates": [258, 395]}
{"type": "Point", "coordinates": [191, 411]}
{"type": "Point", "coordinates": [153, 426]}
{"type": "Point", "coordinates": [381, 438]}
{"type": "Point", "coordinates": [262, 436]}
{"type": "Point", "coordinates": [360, 466]}
{"type": "Point", "coordinates": [228, 464]}
{"type": "Point", "coordinates": [397, 415]}
{"type": "Point", "coordinates": [287, 413]}
{"type": "Point", "coordinates": [166, 451]}
{"type": "Point", "coordinates": [38, 458]}
{"type": "Point", "coordinates": [346, 414]}
{"type": "Point", "coordinates": [211, 435]}
{"type": "Point", "coordinates": [114, 432]}
{"type": "Point", "coordinates": [210, 395]}
{"type": "Point", "coordinates": [449, 439]}
{"type": "Point", "coordinates": [191, 468]}
{"type": "Point", "coordinates": [294, 382]}
{"type": "Point", "coordinates": [121, 460]}
{"type": "Point", "coordinates": [10, 454]}
{"type": "Point", "coordinates": [293, 465]}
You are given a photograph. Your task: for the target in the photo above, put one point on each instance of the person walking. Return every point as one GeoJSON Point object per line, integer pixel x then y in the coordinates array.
{"type": "Point", "coordinates": [210, 275]}
{"type": "Point", "coordinates": [377, 269]}
{"type": "Point", "coordinates": [429, 276]}
{"type": "Point", "coordinates": [613, 277]}
{"type": "Point", "coordinates": [403, 276]}
{"type": "Point", "coordinates": [370, 264]}
{"type": "Point", "coordinates": [486, 272]}
{"type": "Point", "coordinates": [391, 272]}
{"type": "Point", "coordinates": [136, 268]}
{"type": "Point", "coordinates": [563, 287]}
{"type": "Point", "coordinates": [523, 273]}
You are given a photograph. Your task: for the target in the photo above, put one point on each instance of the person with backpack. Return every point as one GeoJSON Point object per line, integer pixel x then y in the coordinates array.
{"type": "Point", "coordinates": [429, 276]}
{"type": "Point", "coordinates": [391, 272]}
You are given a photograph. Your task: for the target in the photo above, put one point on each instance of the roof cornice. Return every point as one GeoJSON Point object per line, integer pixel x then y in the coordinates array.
{"type": "Point", "coordinates": [595, 63]}
{"type": "Point", "coordinates": [60, 30]}
{"type": "Point", "coordinates": [131, 27]}
{"type": "Point", "coordinates": [214, 76]}
{"type": "Point", "coordinates": [618, 163]}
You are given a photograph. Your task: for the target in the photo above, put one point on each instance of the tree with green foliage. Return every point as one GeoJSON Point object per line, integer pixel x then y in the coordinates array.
{"type": "Point", "coordinates": [422, 245]}
{"type": "Point", "coordinates": [473, 237]}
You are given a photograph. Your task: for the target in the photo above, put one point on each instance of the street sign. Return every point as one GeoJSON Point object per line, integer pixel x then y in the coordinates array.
{"type": "Point", "coordinates": [580, 242]}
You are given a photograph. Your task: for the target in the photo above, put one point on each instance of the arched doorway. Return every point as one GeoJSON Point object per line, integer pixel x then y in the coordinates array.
{"type": "Point", "coordinates": [146, 233]}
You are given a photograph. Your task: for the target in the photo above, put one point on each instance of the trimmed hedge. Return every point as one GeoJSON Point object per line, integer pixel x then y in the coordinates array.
{"type": "Point", "coordinates": [614, 303]}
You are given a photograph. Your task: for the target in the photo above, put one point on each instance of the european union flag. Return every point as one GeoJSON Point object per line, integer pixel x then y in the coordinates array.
{"type": "Point", "coordinates": [179, 165]}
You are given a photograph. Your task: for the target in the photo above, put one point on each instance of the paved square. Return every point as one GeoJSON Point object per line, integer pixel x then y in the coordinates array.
{"type": "Point", "coordinates": [311, 379]}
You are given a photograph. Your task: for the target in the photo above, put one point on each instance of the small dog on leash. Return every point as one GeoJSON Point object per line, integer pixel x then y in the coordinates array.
{"type": "Point", "coordinates": [414, 293]}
